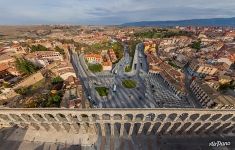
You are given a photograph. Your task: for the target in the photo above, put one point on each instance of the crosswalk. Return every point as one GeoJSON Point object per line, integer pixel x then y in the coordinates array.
{"type": "Point", "coordinates": [104, 75]}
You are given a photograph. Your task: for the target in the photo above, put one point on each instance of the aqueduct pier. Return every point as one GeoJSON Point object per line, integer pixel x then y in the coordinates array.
{"type": "Point", "coordinates": [123, 121]}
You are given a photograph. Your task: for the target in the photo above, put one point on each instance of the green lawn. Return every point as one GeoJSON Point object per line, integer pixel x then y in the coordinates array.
{"type": "Point", "coordinates": [95, 67]}
{"type": "Point", "coordinates": [103, 91]}
{"type": "Point", "coordinates": [128, 68]}
{"type": "Point", "coordinates": [129, 84]}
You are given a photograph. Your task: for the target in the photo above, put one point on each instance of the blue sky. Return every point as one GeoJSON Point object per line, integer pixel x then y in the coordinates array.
{"type": "Point", "coordinates": [110, 11]}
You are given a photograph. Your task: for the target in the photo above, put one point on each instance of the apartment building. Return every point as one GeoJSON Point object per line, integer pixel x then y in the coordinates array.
{"type": "Point", "coordinates": [197, 68]}
{"type": "Point", "coordinates": [112, 55]}
{"type": "Point", "coordinates": [173, 78]}
{"type": "Point", "coordinates": [210, 98]}
{"type": "Point", "coordinates": [93, 58]}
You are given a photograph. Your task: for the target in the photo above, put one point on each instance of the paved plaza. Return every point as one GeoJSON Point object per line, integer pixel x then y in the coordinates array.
{"type": "Point", "coordinates": [151, 91]}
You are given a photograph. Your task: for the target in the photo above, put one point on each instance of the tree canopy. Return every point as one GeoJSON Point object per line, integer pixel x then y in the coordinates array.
{"type": "Point", "coordinates": [38, 47]}
{"type": "Point", "coordinates": [24, 66]}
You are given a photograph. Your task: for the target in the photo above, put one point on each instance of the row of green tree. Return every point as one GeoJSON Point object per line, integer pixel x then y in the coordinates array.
{"type": "Point", "coordinates": [161, 33]}
{"type": "Point", "coordinates": [38, 47]}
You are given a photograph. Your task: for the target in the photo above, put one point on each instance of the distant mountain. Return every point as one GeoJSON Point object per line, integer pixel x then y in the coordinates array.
{"type": "Point", "coordinates": [193, 22]}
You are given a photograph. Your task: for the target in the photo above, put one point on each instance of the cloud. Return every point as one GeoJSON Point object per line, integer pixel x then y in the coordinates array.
{"type": "Point", "coordinates": [110, 12]}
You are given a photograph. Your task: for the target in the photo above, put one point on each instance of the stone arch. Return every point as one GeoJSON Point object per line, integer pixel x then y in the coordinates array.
{"type": "Point", "coordinates": [24, 125]}
{"type": "Point", "coordinates": [106, 117]}
{"type": "Point", "coordinates": [61, 117]}
{"type": "Point", "coordinates": [215, 117]}
{"type": "Point", "coordinates": [226, 117]}
{"type": "Point", "coordinates": [222, 127]}
{"type": "Point", "coordinates": [126, 128]}
{"type": "Point", "coordinates": [84, 117]}
{"type": "Point", "coordinates": [213, 127]}
{"type": "Point", "coordinates": [95, 117]}
{"type": "Point", "coordinates": [165, 127]}
{"type": "Point", "coordinates": [107, 128]}
{"type": "Point", "coordinates": [146, 127]}
{"type": "Point", "coordinates": [72, 117]}
{"type": "Point", "coordinates": [136, 128]}
{"type": "Point", "coordinates": [183, 116]}
{"type": "Point", "coordinates": [38, 117]}
{"type": "Point", "coordinates": [139, 117]}
{"type": "Point", "coordinates": [128, 117]}
{"type": "Point", "coordinates": [150, 117]}
{"type": "Point", "coordinates": [117, 127]}
{"type": "Point", "coordinates": [76, 126]}
{"type": "Point", "coordinates": [229, 129]}
{"type": "Point", "coordinates": [46, 126]}
{"type": "Point", "coordinates": [50, 117]}
{"type": "Point", "coordinates": [155, 127]}
{"type": "Point", "coordinates": [172, 116]}
{"type": "Point", "coordinates": [4, 117]}
{"type": "Point", "coordinates": [117, 117]}
{"type": "Point", "coordinates": [161, 117]}
{"type": "Point", "coordinates": [175, 127]}
{"type": "Point", "coordinates": [233, 119]}
{"type": "Point", "coordinates": [35, 126]}
{"type": "Point", "coordinates": [203, 128]}
{"type": "Point", "coordinates": [56, 126]}
{"type": "Point", "coordinates": [16, 117]}
{"type": "Point", "coordinates": [184, 127]}
{"type": "Point", "coordinates": [27, 117]}
{"type": "Point", "coordinates": [193, 117]}
{"type": "Point", "coordinates": [66, 126]}
{"type": "Point", "coordinates": [205, 117]}
{"type": "Point", "coordinates": [194, 127]}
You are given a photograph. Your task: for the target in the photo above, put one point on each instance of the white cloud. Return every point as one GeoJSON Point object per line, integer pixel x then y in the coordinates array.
{"type": "Point", "coordinates": [110, 12]}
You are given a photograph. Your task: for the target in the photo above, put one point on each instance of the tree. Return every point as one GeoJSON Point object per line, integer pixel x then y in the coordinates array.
{"type": "Point", "coordinates": [196, 45]}
{"type": "Point", "coordinates": [23, 91]}
{"type": "Point", "coordinates": [24, 66]}
{"type": "Point", "coordinates": [57, 80]}
{"type": "Point", "coordinates": [60, 50]}
{"type": "Point", "coordinates": [38, 47]}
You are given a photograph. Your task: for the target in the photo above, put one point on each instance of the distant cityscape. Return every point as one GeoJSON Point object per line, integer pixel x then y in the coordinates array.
{"type": "Point", "coordinates": [119, 67]}
{"type": "Point", "coordinates": [180, 72]}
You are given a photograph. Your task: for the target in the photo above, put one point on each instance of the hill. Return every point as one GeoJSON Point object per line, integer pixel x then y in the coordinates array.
{"type": "Point", "coordinates": [193, 22]}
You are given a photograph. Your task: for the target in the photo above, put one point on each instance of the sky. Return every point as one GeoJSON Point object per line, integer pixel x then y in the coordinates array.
{"type": "Point", "coordinates": [109, 12]}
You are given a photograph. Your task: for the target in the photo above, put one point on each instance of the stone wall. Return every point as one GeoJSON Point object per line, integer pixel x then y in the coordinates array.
{"type": "Point", "coordinates": [32, 79]}
{"type": "Point", "coordinates": [124, 121]}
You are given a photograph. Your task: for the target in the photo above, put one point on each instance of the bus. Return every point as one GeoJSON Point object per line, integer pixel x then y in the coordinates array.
{"type": "Point", "coordinates": [114, 88]}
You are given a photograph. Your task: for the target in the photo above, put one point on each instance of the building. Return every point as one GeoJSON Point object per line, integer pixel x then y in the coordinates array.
{"type": "Point", "coordinates": [200, 69]}
{"type": "Point", "coordinates": [43, 58]}
{"type": "Point", "coordinates": [63, 69]}
{"type": "Point", "coordinates": [112, 55]}
{"type": "Point", "coordinates": [173, 78]}
{"type": "Point", "coordinates": [107, 66]}
{"type": "Point", "coordinates": [93, 58]}
{"type": "Point", "coordinates": [150, 46]}
{"type": "Point", "coordinates": [224, 79]}
{"type": "Point", "coordinates": [210, 98]}
{"type": "Point", "coordinates": [73, 93]}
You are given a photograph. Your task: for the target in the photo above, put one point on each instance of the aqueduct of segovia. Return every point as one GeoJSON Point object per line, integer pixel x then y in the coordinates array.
{"type": "Point", "coordinates": [120, 121]}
